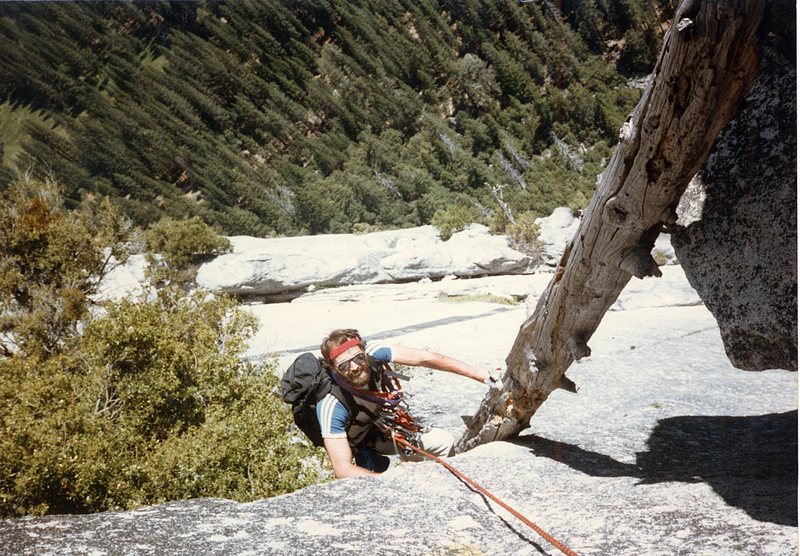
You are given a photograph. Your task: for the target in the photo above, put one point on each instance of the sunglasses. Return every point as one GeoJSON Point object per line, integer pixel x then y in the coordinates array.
{"type": "Point", "coordinates": [358, 359]}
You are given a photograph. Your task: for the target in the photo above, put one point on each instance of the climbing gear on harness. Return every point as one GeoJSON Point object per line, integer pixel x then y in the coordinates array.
{"type": "Point", "coordinates": [399, 422]}
{"type": "Point", "coordinates": [544, 534]}
{"type": "Point", "coordinates": [392, 416]}
{"type": "Point", "coordinates": [307, 381]}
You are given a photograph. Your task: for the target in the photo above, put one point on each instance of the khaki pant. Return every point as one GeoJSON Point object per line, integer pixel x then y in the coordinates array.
{"type": "Point", "coordinates": [438, 442]}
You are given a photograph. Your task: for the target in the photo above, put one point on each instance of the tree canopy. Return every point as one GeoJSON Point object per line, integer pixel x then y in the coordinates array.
{"type": "Point", "coordinates": [271, 117]}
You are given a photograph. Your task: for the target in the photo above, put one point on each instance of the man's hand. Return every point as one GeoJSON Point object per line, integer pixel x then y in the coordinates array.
{"type": "Point", "coordinates": [493, 380]}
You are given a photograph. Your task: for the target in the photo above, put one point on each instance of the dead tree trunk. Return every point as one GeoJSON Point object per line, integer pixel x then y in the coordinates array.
{"type": "Point", "coordinates": [708, 61]}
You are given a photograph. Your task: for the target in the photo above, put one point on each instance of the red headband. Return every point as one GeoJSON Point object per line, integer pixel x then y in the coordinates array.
{"type": "Point", "coordinates": [338, 350]}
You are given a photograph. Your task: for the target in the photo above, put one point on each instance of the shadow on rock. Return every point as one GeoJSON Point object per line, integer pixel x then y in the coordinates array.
{"type": "Point", "coordinates": [751, 462]}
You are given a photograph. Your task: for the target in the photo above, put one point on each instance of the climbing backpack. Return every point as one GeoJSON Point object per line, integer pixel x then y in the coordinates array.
{"type": "Point", "coordinates": [303, 385]}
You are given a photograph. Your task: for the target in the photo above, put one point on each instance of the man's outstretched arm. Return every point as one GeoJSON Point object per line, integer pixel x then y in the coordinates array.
{"type": "Point", "coordinates": [414, 357]}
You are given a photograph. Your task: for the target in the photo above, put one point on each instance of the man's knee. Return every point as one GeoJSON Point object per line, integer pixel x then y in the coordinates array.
{"type": "Point", "coordinates": [438, 442]}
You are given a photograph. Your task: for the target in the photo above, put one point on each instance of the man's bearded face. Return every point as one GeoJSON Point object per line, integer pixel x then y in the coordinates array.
{"type": "Point", "coordinates": [353, 366]}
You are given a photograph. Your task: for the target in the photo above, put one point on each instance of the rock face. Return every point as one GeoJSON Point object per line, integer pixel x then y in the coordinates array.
{"type": "Point", "coordinates": [263, 267]}
{"type": "Point", "coordinates": [670, 450]}
{"type": "Point", "coordinates": [555, 231]}
{"type": "Point", "coordinates": [675, 497]}
{"type": "Point", "coordinates": [124, 280]}
{"type": "Point", "coordinates": [422, 509]}
{"type": "Point", "coordinates": [741, 256]}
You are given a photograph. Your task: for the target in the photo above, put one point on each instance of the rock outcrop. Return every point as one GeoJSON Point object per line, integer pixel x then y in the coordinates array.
{"type": "Point", "coordinates": [277, 269]}
{"type": "Point", "coordinates": [555, 231]}
{"type": "Point", "coordinates": [741, 255]}
{"type": "Point", "coordinates": [268, 267]}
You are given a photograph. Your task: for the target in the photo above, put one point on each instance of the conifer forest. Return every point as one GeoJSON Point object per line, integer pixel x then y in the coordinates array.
{"type": "Point", "coordinates": [321, 116]}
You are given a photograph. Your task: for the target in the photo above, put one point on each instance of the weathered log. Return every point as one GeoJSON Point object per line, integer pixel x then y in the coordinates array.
{"type": "Point", "coordinates": [709, 58]}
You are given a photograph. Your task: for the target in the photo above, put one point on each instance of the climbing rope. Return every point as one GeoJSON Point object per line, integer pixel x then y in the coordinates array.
{"type": "Point", "coordinates": [544, 534]}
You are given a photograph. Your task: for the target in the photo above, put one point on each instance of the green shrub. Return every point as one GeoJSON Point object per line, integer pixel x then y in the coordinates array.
{"type": "Point", "coordinates": [640, 52]}
{"type": "Point", "coordinates": [142, 402]}
{"type": "Point", "coordinates": [523, 235]}
{"type": "Point", "coordinates": [578, 202]}
{"type": "Point", "coordinates": [182, 245]}
{"type": "Point", "coordinates": [51, 260]}
{"type": "Point", "coordinates": [152, 405]}
{"type": "Point", "coordinates": [498, 222]}
{"type": "Point", "coordinates": [477, 298]}
{"type": "Point", "coordinates": [360, 228]}
{"type": "Point", "coordinates": [453, 219]}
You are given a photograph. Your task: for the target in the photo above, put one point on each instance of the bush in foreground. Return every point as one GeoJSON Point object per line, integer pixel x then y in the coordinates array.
{"type": "Point", "coordinates": [141, 402]}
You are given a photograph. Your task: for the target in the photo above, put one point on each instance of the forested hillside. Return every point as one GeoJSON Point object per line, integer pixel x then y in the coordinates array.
{"type": "Point", "coordinates": [313, 116]}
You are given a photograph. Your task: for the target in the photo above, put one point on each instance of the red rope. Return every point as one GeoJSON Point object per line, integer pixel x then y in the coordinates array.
{"type": "Point", "coordinates": [546, 536]}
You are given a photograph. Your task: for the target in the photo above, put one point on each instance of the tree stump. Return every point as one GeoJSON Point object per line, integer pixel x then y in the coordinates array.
{"type": "Point", "coordinates": [709, 59]}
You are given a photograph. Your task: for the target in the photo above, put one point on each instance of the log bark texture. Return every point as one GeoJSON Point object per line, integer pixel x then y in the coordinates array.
{"type": "Point", "coordinates": [709, 59]}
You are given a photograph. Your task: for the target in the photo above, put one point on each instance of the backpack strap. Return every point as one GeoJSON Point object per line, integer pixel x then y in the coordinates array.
{"type": "Point", "coordinates": [362, 415]}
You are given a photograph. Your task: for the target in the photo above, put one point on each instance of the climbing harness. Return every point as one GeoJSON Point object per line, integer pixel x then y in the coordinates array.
{"type": "Point", "coordinates": [390, 413]}
{"type": "Point", "coordinates": [400, 439]}
{"type": "Point", "coordinates": [391, 416]}
{"type": "Point", "coordinates": [399, 423]}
